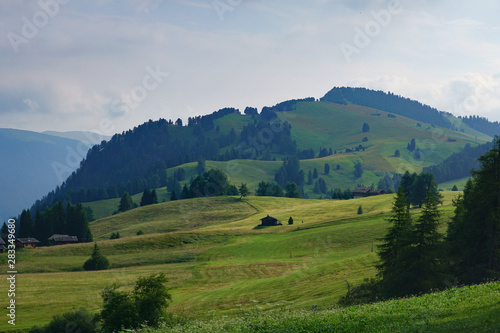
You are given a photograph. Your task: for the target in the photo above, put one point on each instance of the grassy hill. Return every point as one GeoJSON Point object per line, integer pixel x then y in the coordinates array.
{"type": "Point", "coordinates": [336, 126]}
{"type": "Point", "coordinates": [467, 309]}
{"type": "Point", "coordinates": [217, 260]}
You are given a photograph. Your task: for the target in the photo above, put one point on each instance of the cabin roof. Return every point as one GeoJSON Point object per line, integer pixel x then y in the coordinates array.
{"type": "Point", "coordinates": [28, 240]}
{"type": "Point", "coordinates": [268, 216]}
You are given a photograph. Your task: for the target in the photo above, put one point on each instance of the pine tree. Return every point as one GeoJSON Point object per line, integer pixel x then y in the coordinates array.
{"type": "Point", "coordinates": [243, 190]}
{"type": "Point", "coordinates": [425, 268]}
{"type": "Point", "coordinates": [146, 198]}
{"type": "Point", "coordinates": [360, 210]}
{"type": "Point", "coordinates": [394, 252]}
{"type": "Point", "coordinates": [474, 233]}
{"type": "Point", "coordinates": [97, 261]}
{"type": "Point", "coordinates": [173, 197]}
{"type": "Point", "coordinates": [309, 178]}
{"type": "Point", "coordinates": [315, 173]}
{"type": "Point", "coordinates": [185, 192]}
{"type": "Point", "coordinates": [327, 168]}
{"type": "Point", "coordinates": [126, 203]}
{"type": "Point", "coordinates": [290, 220]}
{"type": "Point", "coordinates": [292, 190]}
{"type": "Point", "coordinates": [366, 128]}
{"type": "Point", "coordinates": [154, 197]}
{"type": "Point", "coordinates": [201, 166]}
{"type": "Point", "coordinates": [58, 218]}
{"type": "Point", "coordinates": [25, 225]}
{"type": "Point", "coordinates": [358, 170]}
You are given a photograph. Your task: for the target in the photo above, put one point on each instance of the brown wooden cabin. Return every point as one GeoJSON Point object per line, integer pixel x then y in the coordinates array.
{"type": "Point", "coordinates": [57, 239]}
{"type": "Point", "coordinates": [26, 243]}
{"type": "Point", "coordinates": [366, 192]}
{"type": "Point", "coordinates": [270, 221]}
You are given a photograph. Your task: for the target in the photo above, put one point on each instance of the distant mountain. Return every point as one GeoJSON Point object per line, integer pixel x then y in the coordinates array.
{"type": "Point", "coordinates": [31, 165]}
{"type": "Point", "coordinates": [83, 136]}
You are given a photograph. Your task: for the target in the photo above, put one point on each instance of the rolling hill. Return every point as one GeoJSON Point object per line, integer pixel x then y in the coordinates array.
{"type": "Point", "coordinates": [249, 148]}
{"type": "Point", "coordinates": [216, 260]}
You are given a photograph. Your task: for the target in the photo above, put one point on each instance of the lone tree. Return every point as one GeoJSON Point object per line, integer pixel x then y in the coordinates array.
{"type": "Point", "coordinates": [290, 220]}
{"type": "Point", "coordinates": [358, 170]}
{"type": "Point", "coordinates": [243, 190]}
{"type": "Point", "coordinates": [126, 203]}
{"type": "Point", "coordinates": [360, 210]}
{"type": "Point", "coordinates": [366, 128]}
{"type": "Point", "coordinates": [145, 304]}
{"type": "Point", "coordinates": [397, 153]}
{"type": "Point", "coordinates": [97, 261]}
{"type": "Point", "coordinates": [327, 168]}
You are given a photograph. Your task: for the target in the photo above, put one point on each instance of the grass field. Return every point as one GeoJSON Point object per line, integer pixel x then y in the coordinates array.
{"type": "Point", "coordinates": [467, 309]}
{"type": "Point", "coordinates": [217, 261]}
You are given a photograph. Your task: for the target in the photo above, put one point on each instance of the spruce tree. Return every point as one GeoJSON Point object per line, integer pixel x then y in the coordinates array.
{"type": "Point", "coordinates": [394, 252]}
{"type": "Point", "coordinates": [474, 233]}
{"type": "Point", "coordinates": [327, 168]}
{"type": "Point", "coordinates": [154, 197]}
{"type": "Point", "coordinates": [425, 267]}
{"type": "Point", "coordinates": [126, 203]}
{"type": "Point", "coordinates": [97, 261]}
{"type": "Point", "coordinates": [146, 198]}
{"type": "Point", "coordinates": [25, 225]}
{"type": "Point", "coordinates": [173, 197]}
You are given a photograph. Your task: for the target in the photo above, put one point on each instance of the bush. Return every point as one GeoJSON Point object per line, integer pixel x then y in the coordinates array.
{"type": "Point", "coordinates": [80, 321]}
{"type": "Point", "coordinates": [97, 261]}
{"type": "Point", "coordinates": [140, 232]}
{"type": "Point", "coordinates": [366, 292]}
{"type": "Point", "coordinates": [146, 304]}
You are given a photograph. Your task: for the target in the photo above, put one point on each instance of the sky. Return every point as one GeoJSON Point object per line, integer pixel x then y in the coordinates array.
{"type": "Point", "coordinates": [107, 66]}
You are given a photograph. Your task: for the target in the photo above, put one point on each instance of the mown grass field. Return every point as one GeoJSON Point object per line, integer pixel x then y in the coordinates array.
{"type": "Point", "coordinates": [217, 261]}
{"type": "Point", "coordinates": [467, 309]}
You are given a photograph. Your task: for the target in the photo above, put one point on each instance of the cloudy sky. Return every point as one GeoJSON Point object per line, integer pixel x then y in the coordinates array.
{"type": "Point", "coordinates": [108, 65]}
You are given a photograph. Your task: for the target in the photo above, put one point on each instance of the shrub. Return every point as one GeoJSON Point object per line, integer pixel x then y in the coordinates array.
{"type": "Point", "coordinates": [140, 232]}
{"type": "Point", "coordinates": [80, 321]}
{"type": "Point", "coordinates": [146, 304]}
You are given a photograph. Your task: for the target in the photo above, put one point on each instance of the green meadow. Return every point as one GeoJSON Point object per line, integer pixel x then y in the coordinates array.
{"type": "Point", "coordinates": [217, 260]}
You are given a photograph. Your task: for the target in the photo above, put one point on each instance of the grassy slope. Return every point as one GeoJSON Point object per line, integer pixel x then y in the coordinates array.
{"type": "Point", "coordinates": [222, 263]}
{"type": "Point", "coordinates": [468, 309]}
{"type": "Point", "coordinates": [322, 124]}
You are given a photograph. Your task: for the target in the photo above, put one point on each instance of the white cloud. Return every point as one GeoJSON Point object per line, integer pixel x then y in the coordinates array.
{"type": "Point", "coordinates": [263, 52]}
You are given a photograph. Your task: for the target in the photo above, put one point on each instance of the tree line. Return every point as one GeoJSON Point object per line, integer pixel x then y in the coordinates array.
{"type": "Point", "coordinates": [416, 258]}
{"type": "Point", "coordinates": [59, 219]}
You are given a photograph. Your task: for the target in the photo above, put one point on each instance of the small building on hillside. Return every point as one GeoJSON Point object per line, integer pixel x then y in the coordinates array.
{"type": "Point", "coordinates": [58, 239]}
{"type": "Point", "coordinates": [26, 243]}
{"type": "Point", "coordinates": [2, 245]}
{"type": "Point", "coordinates": [270, 221]}
{"type": "Point", "coordinates": [366, 192]}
